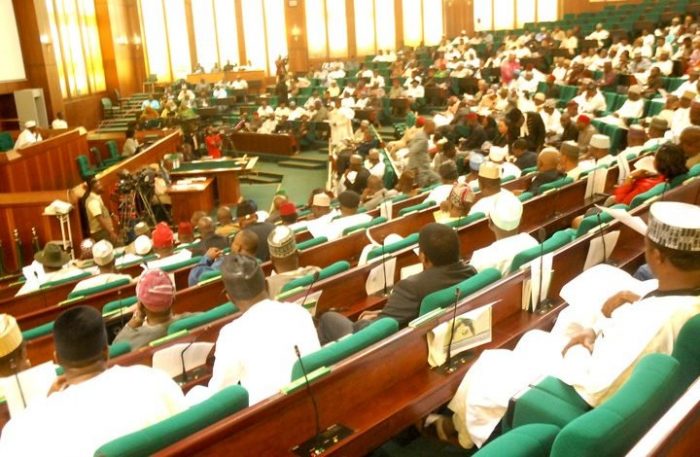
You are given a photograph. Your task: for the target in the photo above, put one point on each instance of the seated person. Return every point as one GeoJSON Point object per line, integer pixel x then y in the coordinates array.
{"type": "Point", "coordinates": [523, 158]}
{"type": "Point", "coordinates": [226, 226]}
{"type": "Point", "coordinates": [598, 153]}
{"type": "Point", "coordinates": [332, 229]}
{"type": "Point", "coordinates": [153, 314]}
{"type": "Point", "coordinates": [90, 404]}
{"type": "Point", "coordinates": [257, 350]}
{"type": "Point", "coordinates": [248, 220]}
{"type": "Point", "coordinates": [13, 349]}
{"type": "Point", "coordinates": [547, 170]}
{"type": "Point", "coordinates": [285, 260]}
{"type": "Point", "coordinates": [448, 178]}
{"type": "Point", "coordinates": [245, 242]}
{"type": "Point", "coordinates": [568, 159]}
{"type": "Point", "coordinates": [164, 247]}
{"type": "Point", "coordinates": [288, 213]}
{"type": "Point", "coordinates": [504, 221]}
{"type": "Point", "coordinates": [442, 268]}
{"type": "Point", "coordinates": [690, 142]}
{"type": "Point", "coordinates": [668, 163]}
{"type": "Point", "coordinates": [205, 227]}
{"type": "Point", "coordinates": [375, 193]}
{"type": "Point", "coordinates": [594, 363]}
{"type": "Point", "coordinates": [489, 186]}
{"type": "Point", "coordinates": [49, 265]}
{"type": "Point", "coordinates": [457, 205]}
{"type": "Point", "coordinates": [103, 256]}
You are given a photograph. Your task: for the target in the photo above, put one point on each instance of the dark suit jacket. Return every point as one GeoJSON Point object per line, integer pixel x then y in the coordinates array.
{"type": "Point", "coordinates": [544, 178]}
{"type": "Point", "coordinates": [527, 160]}
{"type": "Point", "coordinates": [213, 241]}
{"type": "Point", "coordinates": [405, 299]}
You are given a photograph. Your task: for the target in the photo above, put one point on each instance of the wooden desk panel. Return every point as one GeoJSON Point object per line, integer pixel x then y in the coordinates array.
{"type": "Point", "coordinates": [213, 78]}
{"type": "Point", "coordinates": [267, 143]}
{"type": "Point", "coordinates": [228, 187]}
{"type": "Point", "coordinates": [186, 202]}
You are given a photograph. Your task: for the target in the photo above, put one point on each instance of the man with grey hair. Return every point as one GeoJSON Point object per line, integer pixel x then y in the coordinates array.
{"type": "Point", "coordinates": [418, 158]}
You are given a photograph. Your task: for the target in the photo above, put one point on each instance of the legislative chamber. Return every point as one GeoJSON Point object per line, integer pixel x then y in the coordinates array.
{"type": "Point", "coordinates": [350, 227]}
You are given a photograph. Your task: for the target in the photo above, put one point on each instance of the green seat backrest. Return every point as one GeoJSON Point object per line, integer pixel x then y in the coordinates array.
{"type": "Point", "coordinates": [445, 297]}
{"type": "Point", "coordinates": [6, 142]}
{"type": "Point", "coordinates": [526, 441]}
{"type": "Point", "coordinates": [209, 275]}
{"type": "Point", "coordinates": [687, 351]}
{"type": "Point", "coordinates": [372, 223]}
{"type": "Point", "coordinates": [345, 347]}
{"type": "Point", "coordinates": [190, 322]}
{"type": "Point", "coordinates": [112, 149]}
{"type": "Point", "coordinates": [399, 198]}
{"type": "Point", "coordinates": [525, 196]}
{"type": "Point", "coordinates": [655, 191]}
{"type": "Point", "coordinates": [98, 289]}
{"type": "Point", "coordinates": [37, 332]}
{"type": "Point", "coordinates": [462, 221]}
{"type": "Point", "coordinates": [616, 425]}
{"type": "Point", "coordinates": [117, 349]}
{"type": "Point", "coordinates": [551, 244]}
{"type": "Point", "coordinates": [143, 259]}
{"type": "Point", "coordinates": [330, 270]}
{"type": "Point", "coordinates": [529, 170]}
{"type": "Point", "coordinates": [185, 263]}
{"type": "Point", "coordinates": [418, 207]}
{"type": "Point", "coordinates": [151, 439]}
{"type": "Point", "coordinates": [590, 222]}
{"type": "Point", "coordinates": [118, 304]}
{"type": "Point", "coordinates": [610, 98]}
{"type": "Point", "coordinates": [83, 164]}
{"type": "Point", "coordinates": [312, 242]}
{"type": "Point", "coordinates": [556, 184]}
{"type": "Point", "coordinates": [393, 247]}
{"type": "Point", "coordinates": [59, 282]}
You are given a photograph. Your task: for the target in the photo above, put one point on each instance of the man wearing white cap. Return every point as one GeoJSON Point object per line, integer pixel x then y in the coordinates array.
{"type": "Point", "coordinates": [500, 156]}
{"type": "Point", "coordinates": [28, 136]}
{"type": "Point", "coordinates": [13, 353]}
{"type": "Point", "coordinates": [285, 260]}
{"type": "Point", "coordinates": [633, 108]}
{"type": "Point", "coordinates": [103, 256]}
{"type": "Point", "coordinates": [598, 153]}
{"type": "Point", "coordinates": [504, 221]}
{"type": "Point", "coordinates": [551, 117]}
{"type": "Point", "coordinates": [489, 188]}
{"type": "Point", "coordinates": [633, 324]}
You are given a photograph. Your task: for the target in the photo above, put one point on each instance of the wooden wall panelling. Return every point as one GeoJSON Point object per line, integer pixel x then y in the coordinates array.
{"type": "Point", "coordinates": [298, 50]}
{"type": "Point", "coordinates": [582, 6]}
{"type": "Point", "coordinates": [107, 46]}
{"type": "Point", "coordinates": [48, 165]}
{"type": "Point", "coordinates": [398, 19]}
{"type": "Point", "coordinates": [351, 20]}
{"type": "Point", "coordinates": [189, 18]}
{"type": "Point", "coordinates": [240, 32]}
{"type": "Point", "coordinates": [459, 15]}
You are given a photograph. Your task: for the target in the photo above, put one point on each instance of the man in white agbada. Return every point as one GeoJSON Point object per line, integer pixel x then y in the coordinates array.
{"type": "Point", "coordinates": [49, 265]}
{"type": "Point", "coordinates": [489, 188]}
{"type": "Point", "coordinates": [504, 221]}
{"type": "Point", "coordinates": [633, 108]}
{"type": "Point", "coordinates": [257, 350]}
{"type": "Point", "coordinates": [103, 255]}
{"type": "Point", "coordinates": [611, 322]}
{"type": "Point", "coordinates": [598, 153]}
{"type": "Point", "coordinates": [340, 119]}
{"type": "Point", "coordinates": [90, 404]}
{"type": "Point", "coordinates": [28, 136]}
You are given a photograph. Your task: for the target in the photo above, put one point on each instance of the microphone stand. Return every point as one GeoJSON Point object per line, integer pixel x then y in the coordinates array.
{"type": "Point", "coordinates": [451, 364]}
{"type": "Point", "coordinates": [543, 306]}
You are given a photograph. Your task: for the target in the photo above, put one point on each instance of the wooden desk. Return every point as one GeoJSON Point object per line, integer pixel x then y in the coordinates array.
{"type": "Point", "coordinates": [213, 78]}
{"type": "Point", "coordinates": [266, 143]}
{"type": "Point", "coordinates": [199, 197]}
{"type": "Point", "coordinates": [225, 171]}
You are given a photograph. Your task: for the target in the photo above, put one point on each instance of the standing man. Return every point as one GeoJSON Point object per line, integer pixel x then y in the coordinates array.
{"type": "Point", "coordinates": [99, 219]}
{"type": "Point", "coordinates": [418, 158]}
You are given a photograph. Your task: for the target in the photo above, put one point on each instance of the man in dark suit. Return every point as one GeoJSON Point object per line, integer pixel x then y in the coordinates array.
{"type": "Point", "coordinates": [547, 170]}
{"type": "Point", "coordinates": [209, 238]}
{"type": "Point", "coordinates": [248, 220]}
{"type": "Point", "coordinates": [442, 268]}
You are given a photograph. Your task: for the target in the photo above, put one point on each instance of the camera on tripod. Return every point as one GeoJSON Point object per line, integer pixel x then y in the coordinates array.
{"type": "Point", "coordinates": [142, 181]}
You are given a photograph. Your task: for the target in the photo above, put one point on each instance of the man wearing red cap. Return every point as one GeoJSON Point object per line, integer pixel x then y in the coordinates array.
{"type": "Point", "coordinates": [164, 245]}
{"type": "Point", "coordinates": [585, 131]}
{"type": "Point", "coordinates": [155, 293]}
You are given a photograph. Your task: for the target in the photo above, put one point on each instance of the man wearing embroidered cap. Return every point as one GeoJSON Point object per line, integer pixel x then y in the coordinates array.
{"type": "Point", "coordinates": [568, 159]}
{"type": "Point", "coordinates": [598, 153]}
{"type": "Point", "coordinates": [489, 187]}
{"type": "Point", "coordinates": [153, 314]}
{"type": "Point", "coordinates": [28, 136]}
{"type": "Point", "coordinates": [257, 349]}
{"type": "Point", "coordinates": [285, 260]}
{"type": "Point", "coordinates": [90, 404]}
{"type": "Point", "coordinates": [13, 353]}
{"type": "Point", "coordinates": [595, 362]}
{"type": "Point", "coordinates": [504, 221]}
{"type": "Point", "coordinates": [103, 256]}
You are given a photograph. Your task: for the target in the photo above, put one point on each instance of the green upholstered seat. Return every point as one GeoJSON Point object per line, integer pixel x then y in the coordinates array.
{"type": "Point", "coordinates": [399, 198]}
{"type": "Point", "coordinates": [185, 263]}
{"type": "Point", "coordinates": [652, 193]}
{"type": "Point", "coordinates": [190, 322]}
{"type": "Point", "coordinates": [164, 433]}
{"type": "Point", "coordinates": [556, 184]}
{"type": "Point", "coordinates": [463, 221]}
{"type": "Point", "coordinates": [527, 171]}
{"type": "Point", "coordinates": [616, 425]}
{"type": "Point", "coordinates": [207, 165]}
{"type": "Point", "coordinates": [549, 402]}
{"type": "Point", "coordinates": [118, 304]}
{"type": "Point", "coordinates": [60, 282]}
{"type": "Point", "coordinates": [143, 259]}
{"type": "Point", "coordinates": [410, 240]}
{"type": "Point", "coordinates": [6, 142]}
{"type": "Point", "coordinates": [113, 150]}
{"type": "Point", "coordinates": [86, 171]}
{"type": "Point", "coordinates": [551, 244]}
{"type": "Point", "coordinates": [525, 196]}
{"type": "Point", "coordinates": [590, 222]}
{"type": "Point", "coordinates": [526, 441]}
{"type": "Point", "coordinates": [98, 289]}
{"type": "Point", "coordinates": [418, 207]}
{"type": "Point", "coordinates": [37, 332]}
{"type": "Point", "coordinates": [366, 225]}
{"type": "Point", "coordinates": [336, 351]}
{"type": "Point", "coordinates": [209, 275]}
{"type": "Point", "coordinates": [687, 351]}
{"type": "Point", "coordinates": [117, 349]}
{"type": "Point", "coordinates": [312, 242]}
{"type": "Point", "coordinates": [330, 270]}
{"type": "Point", "coordinates": [446, 297]}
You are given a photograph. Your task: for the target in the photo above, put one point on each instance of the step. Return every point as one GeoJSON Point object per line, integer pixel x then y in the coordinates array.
{"type": "Point", "coordinates": [252, 179]}
{"type": "Point", "coordinates": [305, 164]}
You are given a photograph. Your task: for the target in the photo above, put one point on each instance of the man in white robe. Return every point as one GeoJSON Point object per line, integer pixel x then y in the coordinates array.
{"type": "Point", "coordinates": [340, 119]}
{"type": "Point", "coordinates": [28, 136]}
{"type": "Point", "coordinates": [596, 342]}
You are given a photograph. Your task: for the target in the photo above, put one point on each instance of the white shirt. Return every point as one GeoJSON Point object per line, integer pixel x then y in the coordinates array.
{"type": "Point", "coordinates": [179, 256]}
{"type": "Point", "coordinates": [81, 418]}
{"type": "Point", "coordinates": [59, 124]}
{"type": "Point", "coordinates": [26, 138]}
{"type": "Point", "coordinates": [500, 253]}
{"type": "Point", "coordinates": [377, 169]}
{"type": "Point", "coordinates": [632, 109]}
{"type": "Point", "coordinates": [220, 93]}
{"type": "Point", "coordinates": [552, 122]}
{"type": "Point", "coordinates": [264, 111]}
{"type": "Point", "coordinates": [666, 67]}
{"type": "Point", "coordinates": [99, 280]}
{"type": "Point", "coordinates": [334, 229]}
{"type": "Point", "coordinates": [680, 120]}
{"type": "Point", "coordinates": [282, 112]}
{"type": "Point", "coordinates": [257, 349]}
{"type": "Point", "coordinates": [415, 92]}
{"type": "Point", "coordinates": [440, 193]}
{"type": "Point", "coordinates": [686, 86]}
{"type": "Point", "coordinates": [485, 204]}
{"type": "Point", "coordinates": [35, 276]}
{"type": "Point", "coordinates": [592, 104]}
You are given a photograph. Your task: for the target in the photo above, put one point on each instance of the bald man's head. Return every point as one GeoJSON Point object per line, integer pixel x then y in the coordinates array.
{"type": "Point", "coordinates": [245, 242]}
{"type": "Point", "coordinates": [223, 215]}
{"type": "Point", "coordinates": [548, 160]}
{"type": "Point", "coordinates": [690, 141]}
{"type": "Point", "coordinates": [205, 226]}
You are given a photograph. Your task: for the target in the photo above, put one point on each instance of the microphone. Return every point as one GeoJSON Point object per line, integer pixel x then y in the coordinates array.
{"type": "Point", "coordinates": [541, 237]}
{"type": "Point", "coordinates": [311, 395]}
{"type": "Point", "coordinates": [182, 360]}
{"type": "Point", "coordinates": [13, 368]}
{"type": "Point", "coordinates": [452, 332]}
{"type": "Point", "coordinates": [384, 265]}
{"type": "Point", "coordinates": [313, 281]}
{"type": "Point", "coordinates": [602, 237]}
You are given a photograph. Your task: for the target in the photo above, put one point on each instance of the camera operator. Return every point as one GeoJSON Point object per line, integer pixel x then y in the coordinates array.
{"type": "Point", "coordinates": [161, 199]}
{"type": "Point", "coordinates": [99, 219]}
